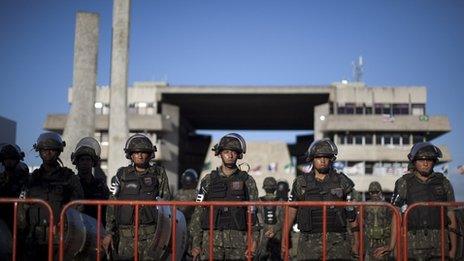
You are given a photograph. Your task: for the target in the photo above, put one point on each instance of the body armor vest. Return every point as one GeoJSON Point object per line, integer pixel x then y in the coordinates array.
{"type": "Point", "coordinates": [377, 222]}
{"type": "Point", "coordinates": [223, 188]}
{"type": "Point", "coordinates": [433, 190]}
{"type": "Point", "coordinates": [310, 218]}
{"type": "Point", "coordinates": [269, 212]}
{"type": "Point", "coordinates": [53, 188]}
{"type": "Point", "coordinates": [137, 187]}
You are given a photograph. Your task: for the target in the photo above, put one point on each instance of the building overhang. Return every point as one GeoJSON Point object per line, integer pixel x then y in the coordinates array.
{"type": "Point", "coordinates": [247, 108]}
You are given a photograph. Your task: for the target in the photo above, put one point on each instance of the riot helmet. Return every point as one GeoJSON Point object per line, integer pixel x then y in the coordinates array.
{"type": "Point", "coordinates": [189, 178]}
{"type": "Point", "coordinates": [51, 141]}
{"type": "Point", "coordinates": [375, 187]}
{"type": "Point", "coordinates": [231, 141]}
{"type": "Point", "coordinates": [87, 146]}
{"type": "Point", "coordinates": [282, 190]}
{"type": "Point", "coordinates": [11, 151]}
{"type": "Point", "coordinates": [424, 150]}
{"type": "Point", "coordinates": [270, 184]}
{"type": "Point", "coordinates": [324, 147]}
{"type": "Point", "coordinates": [139, 143]}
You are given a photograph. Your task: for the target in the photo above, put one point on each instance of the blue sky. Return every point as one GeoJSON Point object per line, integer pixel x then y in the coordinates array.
{"type": "Point", "coordinates": [238, 42]}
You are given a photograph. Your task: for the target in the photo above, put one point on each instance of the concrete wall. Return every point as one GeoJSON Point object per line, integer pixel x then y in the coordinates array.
{"type": "Point", "coordinates": [359, 94]}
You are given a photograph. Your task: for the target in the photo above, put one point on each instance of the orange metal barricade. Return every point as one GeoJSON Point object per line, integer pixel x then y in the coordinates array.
{"type": "Point", "coordinates": [15, 203]}
{"type": "Point", "coordinates": [440, 205]}
{"type": "Point", "coordinates": [361, 205]}
{"type": "Point", "coordinates": [212, 204]}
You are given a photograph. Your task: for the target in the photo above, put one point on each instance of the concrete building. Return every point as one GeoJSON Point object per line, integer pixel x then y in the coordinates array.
{"type": "Point", "coordinates": [7, 131]}
{"type": "Point", "coordinates": [374, 127]}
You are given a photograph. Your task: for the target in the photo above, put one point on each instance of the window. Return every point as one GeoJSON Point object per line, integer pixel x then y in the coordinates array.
{"type": "Point", "coordinates": [378, 139]}
{"type": "Point", "coordinates": [358, 139]}
{"type": "Point", "coordinates": [405, 138]}
{"type": "Point", "coordinates": [341, 138]}
{"type": "Point", "coordinates": [341, 110]}
{"type": "Point", "coordinates": [349, 108]}
{"type": "Point", "coordinates": [401, 109]}
{"type": "Point", "coordinates": [396, 139]}
{"type": "Point", "coordinates": [369, 168]}
{"type": "Point", "coordinates": [368, 139]}
{"type": "Point", "coordinates": [349, 139]}
{"type": "Point", "coordinates": [331, 108]}
{"type": "Point", "coordinates": [386, 109]}
{"type": "Point", "coordinates": [102, 108]}
{"type": "Point", "coordinates": [418, 109]}
{"type": "Point", "coordinates": [359, 110]}
{"type": "Point", "coordinates": [387, 139]}
{"type": "Point", "coordinates": [417, 138]}
{"type": "Point", "coordinates": [368, 110]}
{"type": "Point", "coordinates": [378, 108]}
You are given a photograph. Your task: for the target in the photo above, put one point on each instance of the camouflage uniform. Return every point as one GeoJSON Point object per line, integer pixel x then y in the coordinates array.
{"type": "Point", "coordinates": [377, 225]}
{"type": "Point", "coordinates": [421, 186]}
{"type": "Point", "coordinates": [57, 187]}
{"type": "Point", "coordinates": [338, 247]}
{"type": "Point", "coordinates": [124, 233]}
{"type": "Point", "coordinates": [270, 247]}
{"type": "Point", "coordinates": [94, 189]}
{"type": "Point", "coordinates": [186, 195]}
{"type": "Point", "coordinates": [229, 244]}
{"type": "Point", "coordinates": [424, 243]}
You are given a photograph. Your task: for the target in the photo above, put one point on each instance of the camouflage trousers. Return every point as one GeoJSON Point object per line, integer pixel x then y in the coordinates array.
{"type": "Point", "coordinates": [310, 246]}
{"type": "Point", "coordinates": [125, 249]}
{"type": "Point", "coordinates": [372, 244]}
{"type": "Point", "coordinates": [227, 245]}
{"type": "Point", "coordinates": [425, 244]}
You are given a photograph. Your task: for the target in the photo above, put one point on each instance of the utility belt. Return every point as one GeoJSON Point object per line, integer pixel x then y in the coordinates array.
{"type": "Point", "coordinates": [378, 232]}
{"type": "Point", "coordinates": [130, 230]}
{"type": "Point", "coordinates": [308, 235]}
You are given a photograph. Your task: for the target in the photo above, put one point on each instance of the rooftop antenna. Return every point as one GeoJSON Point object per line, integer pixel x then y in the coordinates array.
{"type": "Point", "coordinates": [358, 69]}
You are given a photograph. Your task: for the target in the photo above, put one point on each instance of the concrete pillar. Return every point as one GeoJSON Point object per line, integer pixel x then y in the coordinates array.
{"type": "Point", "coordinates": [81, 118]}
{"type": "Point", "coordinates": [118, 126]}
{"type": "Point", "coordinates": [171, 143]}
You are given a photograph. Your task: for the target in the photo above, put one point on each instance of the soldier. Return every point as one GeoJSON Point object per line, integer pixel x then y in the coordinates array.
{"type": "Point", "coordinates": [188, 192]}
{"type": "Point", "coordinates": [138, 181]}
{"type": "Point", "coordinates": [323, 183]}
{"type": "Point", "coordinates": [379, 226]}
{"type": "Point", "coordinates": [226, 183]}
{"type": "Point", "coordinates": [15, 174]}
{"type": "Point", "coordinates": [13, 179]}
{"type": "Point", "coordinates": [53, 183]}
{"type": "Point", "coordinates": [422, 184]}
{"type": "Point", "coordinates": [86, 157]}
{"type": "Point", "coordinates": [282, 190]}
{"type": "Point", "coordinates": [270, 219]}
{"type": "Point", "coordinates": [189, 181]}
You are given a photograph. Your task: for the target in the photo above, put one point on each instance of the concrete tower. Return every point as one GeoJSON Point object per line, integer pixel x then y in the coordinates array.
{"type": "Point", "coordinates": [81, 119]}
{"type": "Point", "coordinates": [118, 127]}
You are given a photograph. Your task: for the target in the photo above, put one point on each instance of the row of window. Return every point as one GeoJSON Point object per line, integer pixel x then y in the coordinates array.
{"type": "Point", "coordinates": [380, 108]}
{"type": "Point", "coordinates": [141, 108]}
{"type": "Point", "coordinates": [379, 139]}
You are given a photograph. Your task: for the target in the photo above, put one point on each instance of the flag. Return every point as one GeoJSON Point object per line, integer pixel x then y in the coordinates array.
{"type": "Point", "coordinates": [289, 168]}
{"type": "Point", "coordinates": [272, 167]}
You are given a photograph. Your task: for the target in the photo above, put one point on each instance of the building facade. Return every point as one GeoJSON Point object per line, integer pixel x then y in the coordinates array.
{"type": "Point", "coordinates": [373, 127]}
